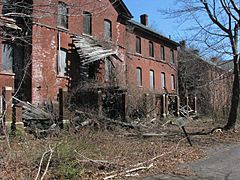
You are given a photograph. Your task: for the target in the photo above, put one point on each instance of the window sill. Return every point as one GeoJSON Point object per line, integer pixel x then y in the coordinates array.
{"type": "Point", "coordinates": [63, 77]}
{"type": "Point", "coordinates": [88, 35]}
{"type": "Point", "coordinates": [7, 73]}
{"type": "Point", "coordinates": [139, 86]}
{"type": "Point", "coordinates": [60, 28]}
{"type": "Point", "coordinates": [150, 57]}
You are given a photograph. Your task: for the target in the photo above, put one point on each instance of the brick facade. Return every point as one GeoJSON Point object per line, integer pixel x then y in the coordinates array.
{"type": "Point", "coordinates": [43, 80]}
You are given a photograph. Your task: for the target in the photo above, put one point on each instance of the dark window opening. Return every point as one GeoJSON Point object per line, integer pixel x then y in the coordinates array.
{"type": "Point", "coordinates": [7, 6]}
{"type": "Point", "coordinates": [172, 59]}
{"type": "Point", "coordinates": [151, 49]}
{"type": "Point", "coordinates": [138, 45]}
{"type": "Point", "coordinates": [87, 23]}
{"type": "Point", "coordinates": [107, 30]}
{"type": "Point", "coordinates": [62, 19]}
{"type": "Point", "coordinates": [162, 53]}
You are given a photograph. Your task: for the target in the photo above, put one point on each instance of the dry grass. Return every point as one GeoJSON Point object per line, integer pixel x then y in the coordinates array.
{"type": "Point", "coordinates": [121, 152]}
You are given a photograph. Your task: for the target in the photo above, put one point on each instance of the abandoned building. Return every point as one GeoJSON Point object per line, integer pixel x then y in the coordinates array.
{"type": "Point", "coordinates": [86, 48]}
{"type": "Point", "coordinates": [209, 80]}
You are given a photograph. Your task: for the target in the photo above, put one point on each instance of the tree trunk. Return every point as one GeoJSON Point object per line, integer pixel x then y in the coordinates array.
{"type": "Point", "coordinates": [235, 98]}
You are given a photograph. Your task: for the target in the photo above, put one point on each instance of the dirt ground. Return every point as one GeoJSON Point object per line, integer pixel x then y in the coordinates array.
{"type": "Point", "coordinates": [111, 152]}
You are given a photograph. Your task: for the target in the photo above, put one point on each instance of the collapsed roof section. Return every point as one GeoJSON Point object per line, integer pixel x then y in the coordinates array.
{"type": "Point", "coordinates": [89, 50]}
{"type": "Point", "coordinates": [9, 23]}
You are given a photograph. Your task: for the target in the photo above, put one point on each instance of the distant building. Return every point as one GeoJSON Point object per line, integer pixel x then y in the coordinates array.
{"type": "Point", "coordinates": [210, 81]}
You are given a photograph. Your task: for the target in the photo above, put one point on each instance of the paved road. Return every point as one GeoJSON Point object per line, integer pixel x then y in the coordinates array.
{"type": "Point", "coordinates": [221, 164]}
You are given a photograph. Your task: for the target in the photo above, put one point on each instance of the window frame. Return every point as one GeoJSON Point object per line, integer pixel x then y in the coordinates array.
{"type": "Point", "coordinates": [60, 63]}
{"type": "Point", "coordinates": [87, 18]}
{"type": "Point", "coordinates": [138, 45]}
{"type": "Point", "coordinates": [163, 80]}
{"type": "Point", "coordinates": [173, 83]}
{"type": "Point", "coordinates": [152, 80]}
{"type": "Point", "coordinates": [162, 53]}
{"type": "Point", "coordinates": [139, 76]}
{"type": "Point", "coordinates": [109, 22]}
{"type": "Point", "coordinates": [7, 66]}
{"type": "Point", "coordinates": [151, 49]}
{"type": "Point", "coordinates": [62, 17]}
{"type": "Point", "coordinates": [172, 56]}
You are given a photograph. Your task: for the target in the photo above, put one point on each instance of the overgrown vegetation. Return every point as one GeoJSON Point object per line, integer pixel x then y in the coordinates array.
{"type": "Point", "coordinates": [91, 154]}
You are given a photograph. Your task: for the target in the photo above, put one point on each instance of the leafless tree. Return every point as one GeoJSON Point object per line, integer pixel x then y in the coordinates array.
{"type": "Point", "coordinates": [217, 27]}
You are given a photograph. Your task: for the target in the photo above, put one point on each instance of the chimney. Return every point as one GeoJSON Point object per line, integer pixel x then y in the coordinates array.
{"type": "Point", "coordinates": [144, 19]}
{"type": "Point", "coordinates": [183, 44]}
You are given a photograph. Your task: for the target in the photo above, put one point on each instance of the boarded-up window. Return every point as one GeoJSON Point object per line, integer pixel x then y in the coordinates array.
{"type": "Point", "coordinates": [107, 30]}
{"type": "Point", "coordinates": [139, 76]}
{"type": "Point", "coordinates": [173, 82]}
{"type": "Point", "coordinates": [87, 23]}
{"type": "Point", "coordinates": [62, 18]}
{"type": "Point", "coordinates": [62, 62]}
{"type": "Point", "coordinates": [138, 45]}
{"type": "Point", "coordinates": [151, 49]}
{"type": "Point", "coordinates": [163, 80]}
{"type": "Point", "coordinates": [7, 57]}
{"type": "Point", "coordinates": [162, 53]}
{"type": "Point", "coordinates": [152, 82]}
{"type": "Point", "coordinates": [172, 60]}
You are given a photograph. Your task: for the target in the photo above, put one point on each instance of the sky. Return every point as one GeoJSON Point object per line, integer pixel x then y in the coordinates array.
{"type": "Point", "coordinates": [167, 27]}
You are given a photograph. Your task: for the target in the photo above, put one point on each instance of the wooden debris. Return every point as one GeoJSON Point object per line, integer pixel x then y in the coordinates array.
{"type": "Point", "coordinates": [102, 118]}
{"type": "Point", "coordinates": [32, 112]}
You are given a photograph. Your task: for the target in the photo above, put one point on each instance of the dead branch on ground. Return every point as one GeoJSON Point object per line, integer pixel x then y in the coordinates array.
{"type": "Point", "coordinates": [50, 152]}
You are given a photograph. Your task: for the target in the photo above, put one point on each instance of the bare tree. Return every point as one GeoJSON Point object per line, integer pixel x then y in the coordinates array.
{"type": "Point", "coordinates": [217, 27]}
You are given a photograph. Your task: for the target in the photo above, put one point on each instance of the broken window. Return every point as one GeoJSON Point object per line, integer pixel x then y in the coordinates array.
{"type": "Point", "coordinates": [62, 62]}
{"type": "Point", "coordinates": [62, 18]}
{"type": "Point", "coordinates": [138, 45]}
{"type": "Point", "coordinates": [152, 82]}
{"type": "Point", "coordinates": [139, 76]}
{"type": "Point", "coordinates": [7, 57]}
{"type": "Point", "coordinates": [107, 29]}
{"type": "Point", "coordinates": [151, 49]}
{"type": "Point", "coordinates": [163, 80]}
{"type": "Point", "coordinates": [162, 53]}
{"type": "Point", "coordinates": [172, 60]}
{"type": "Point", "coordinates": [87, 23]}
{"type": "Point", "coordinates": [173, 82]}
{"type": "Point", "coordinates": [108, 70]}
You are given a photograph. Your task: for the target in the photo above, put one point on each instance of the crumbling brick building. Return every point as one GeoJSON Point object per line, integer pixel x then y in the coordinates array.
{"type": "Point", "coordinates": [60, 44]}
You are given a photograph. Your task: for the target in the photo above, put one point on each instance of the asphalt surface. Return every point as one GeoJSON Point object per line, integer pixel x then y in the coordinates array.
{"type": "Point", "coordinates": [220, 164]}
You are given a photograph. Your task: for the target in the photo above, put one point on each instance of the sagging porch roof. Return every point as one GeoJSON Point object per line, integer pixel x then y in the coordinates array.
{"type": "Point", "coordinates": [89, 50]}
{"type": "Point", "coordinates": [9, 23]}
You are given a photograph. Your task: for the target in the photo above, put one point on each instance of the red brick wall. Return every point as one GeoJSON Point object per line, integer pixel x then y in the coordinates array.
{"type": "Point", "coordinates": [45, 81]}
{"type": "Point", "coordinates": [147, 63]}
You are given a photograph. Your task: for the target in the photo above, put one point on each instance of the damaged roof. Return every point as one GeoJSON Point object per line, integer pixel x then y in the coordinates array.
{"type": "Point", "coordinates": [89, 50]}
